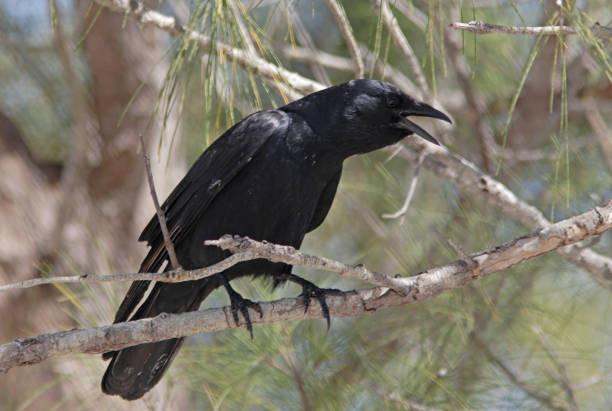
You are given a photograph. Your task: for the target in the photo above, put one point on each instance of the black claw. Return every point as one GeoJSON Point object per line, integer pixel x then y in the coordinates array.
{"type": "Point", "coordinates": [238, 303]}
{"type": "Point", "coordinates": [306, 297]}
{"type": "Point", "coordinates": [235, 315]}
{"type": "Point", "coordinates": [310, 290]}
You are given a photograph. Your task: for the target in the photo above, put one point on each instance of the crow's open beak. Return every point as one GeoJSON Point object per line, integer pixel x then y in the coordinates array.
{"type": "Point", "coordinates": [420, 110]}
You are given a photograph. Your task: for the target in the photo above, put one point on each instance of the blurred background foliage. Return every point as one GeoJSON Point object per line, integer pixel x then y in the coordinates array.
{"type": "Point", "coordinates": [73, 199]}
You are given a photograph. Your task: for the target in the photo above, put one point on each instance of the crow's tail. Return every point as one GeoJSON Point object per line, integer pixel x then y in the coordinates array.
{"type": "Point", "coordinates": [135, 370]}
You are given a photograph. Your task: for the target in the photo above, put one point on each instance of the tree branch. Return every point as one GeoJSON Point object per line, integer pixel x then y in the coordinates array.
{"type": "Point", "coordinates": [257, 64]}
{"type": "Point", "coordinates": [466, 175]}
{"type": "Point", "coordinates": [411, 189]}
{"type": "Point", "coordinates": [289, 255]}
{"type": "Point", "coordinates": [480, 27]}
{"type": "Point", "coordinates": [27, 351]}
{"type": "Point", "coordinates": [244, 249]}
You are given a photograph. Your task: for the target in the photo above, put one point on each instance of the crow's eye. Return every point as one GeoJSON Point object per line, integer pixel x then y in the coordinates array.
{"type": "Point", "coordinates": [392, 102]}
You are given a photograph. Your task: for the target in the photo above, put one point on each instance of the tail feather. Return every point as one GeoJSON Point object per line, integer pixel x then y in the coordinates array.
{"type": "Point", "coordinates": [135, 370]}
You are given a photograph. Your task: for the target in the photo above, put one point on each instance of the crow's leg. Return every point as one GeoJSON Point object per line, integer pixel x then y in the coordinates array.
{"type": "Point", "coordinates": [310, 290]}
{"type": "Point", "coordinates": [238, 303]}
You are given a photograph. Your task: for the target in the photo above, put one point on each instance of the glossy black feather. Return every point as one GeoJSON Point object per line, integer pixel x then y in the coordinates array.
{"type": "Point", "coordinates": [272, 176]}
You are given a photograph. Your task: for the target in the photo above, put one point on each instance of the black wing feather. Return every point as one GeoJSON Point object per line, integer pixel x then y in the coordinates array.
{"type": "Point", "coordinates": [207, 177]}
{"type": "Point", "coordinates": [325, 201]}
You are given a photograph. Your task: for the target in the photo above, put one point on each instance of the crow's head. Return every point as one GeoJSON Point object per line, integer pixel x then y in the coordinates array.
{"type": "Point", "coordinates": [378, 113]}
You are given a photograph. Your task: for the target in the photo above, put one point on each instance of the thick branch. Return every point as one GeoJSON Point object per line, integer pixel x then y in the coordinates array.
{"type": "Point", "coordinates": [480, 27]}
{"type": "Point", "coordinates": [352, 303]}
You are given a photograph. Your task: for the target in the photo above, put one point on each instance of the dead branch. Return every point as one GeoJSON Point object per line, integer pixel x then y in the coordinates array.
{"type": "Point", "coordinates": [27, 351]}
{"type": "Point", "coordinates": [289, 255]}
{"type": "Point", "coordinates": [411, 189]}
{"type": "Point", "coordinates": [244, 249]}
{"type": "Point", "coordinates": [480, 27]}
{"type": "Point", "coordinates": [469, 177]}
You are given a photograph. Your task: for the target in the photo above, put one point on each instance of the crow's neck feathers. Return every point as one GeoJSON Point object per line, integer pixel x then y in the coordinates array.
{"type": "Point", "coordinates": [332, 115]}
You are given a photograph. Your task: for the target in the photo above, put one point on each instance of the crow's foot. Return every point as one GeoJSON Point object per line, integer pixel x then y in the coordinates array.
{"type": "Point", "coordinates": [242, 305]}
{"type": "Point", "coordinates": [310, 291]}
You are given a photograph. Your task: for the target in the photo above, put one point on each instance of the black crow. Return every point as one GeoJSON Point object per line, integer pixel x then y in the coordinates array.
{"type": "Point", "coordinates": [272, 176]}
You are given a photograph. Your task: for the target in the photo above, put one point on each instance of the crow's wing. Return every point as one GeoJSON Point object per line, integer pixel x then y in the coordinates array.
{"type": "Point", "coordinates": [187, 203]}
{"type": "Point", "coordinates": [325, 201]}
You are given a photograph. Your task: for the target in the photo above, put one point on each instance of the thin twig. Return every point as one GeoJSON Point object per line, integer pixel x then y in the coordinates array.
{"type": "Point", "coordinates": [160, 213]}
{"type": "Point", "coordinates": [172, 276]}
{"type": "Point", "coordinates": [411, 189]}
{"type": "Point", "coordinates": [480, 27]}
{"type": "Point", "coordinates": [349, 304]}
{"type": "Point", "coordinates": [289, 255]}
{"type": "Point", "coordinates": [244, 249]}
{"type": "Point", "coordinates": [345, 27]}
{"type": "Point", "coordinates": [464, 256]}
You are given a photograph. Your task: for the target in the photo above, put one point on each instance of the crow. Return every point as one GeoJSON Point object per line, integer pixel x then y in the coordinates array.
{"type": "Point", "coordinates": [272, 176]}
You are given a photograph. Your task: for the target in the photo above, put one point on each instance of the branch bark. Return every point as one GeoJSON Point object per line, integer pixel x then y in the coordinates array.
{"type": "Point", "coordinates": [470, 178]}
{"type": "Point", "coordinates": [481, 27]}
{"type": "Point", "coordinates": [27, 351]}
{"type": "Point", "coordinates": [245, 249]}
